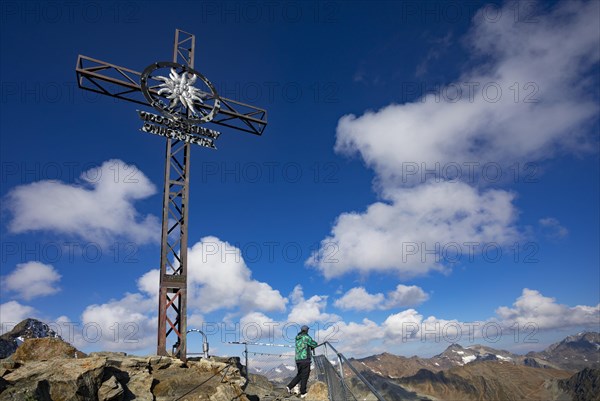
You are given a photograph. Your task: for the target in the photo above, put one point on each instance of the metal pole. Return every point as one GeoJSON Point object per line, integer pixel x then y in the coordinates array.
{"type": "Point", "coordinates": [162, 296]}
{"type": "Point", "coordinates": [357, 373]}
{"type": "Point", "coordinates": [247, 367]}
{"type": "Point", "coordinates": [173, 276]}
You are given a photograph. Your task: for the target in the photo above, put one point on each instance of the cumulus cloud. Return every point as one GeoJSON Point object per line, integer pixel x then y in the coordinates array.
{"type": "Point", "coordinates": [100, 208]}
{"type": "Point", "coordinates": [195, 320]}
{"type": "Point", "coordinates": [402, 325]}
{"type": "Point", "coordinates": [397, 236]}
{"type": "Point", "coordinates": [552, 228]}
{"type": "Point", "coordinates": [405, 295]}
{"type": "Point", "coordinates": [411, 325]}
{"type": "Point", "coordinates": [125, 324]}
{"type": "Point", "coordinates": [353, 338]}
{"type": "Point", "coordinates": [545, 313]}
{"type": "Point", "coordinates": [306, 311]}
{"type": "Point", "coordinates": [256, 326]}
{"type": "Point", "coordinates": [32, 279]}
{"type": "Point", "coordinates": [218, 278]}
{"type": "Point", "coordinates": [411, 146]}
{"type": "Point", "coordinates": [531, 312]}
{"type": "Point", "coordinates": [129, 323]}
{"type": "Point", "coordinates": [148, 283]}
{"type": "Point", "coordinates": [12, 313]}
{"type": "Point", "coordinates": [359, 299]}
{"type": "Point", "coordinates": [484, 127]}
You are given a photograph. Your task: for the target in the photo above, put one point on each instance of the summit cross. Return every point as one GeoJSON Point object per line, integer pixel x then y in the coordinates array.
{"type": "Point", "coordinates": [171, 88]}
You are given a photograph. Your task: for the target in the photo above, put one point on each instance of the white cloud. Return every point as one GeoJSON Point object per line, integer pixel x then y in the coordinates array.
{"type": "Point", "coordinates": [532, 313]}
{"type": "Point", "coordinates": [402, 325]}
{"type": "Point", "coordinates": [476, 128]}
{"type": "Point", "coordinates": [354, 339]}
{"type": "Point", "coordinates": [125, 324]}
{"type": "Point", "coordinates": [100, 209]}
{"type": "Point", "coordinates": [359, 299]}
{"type": "Point", "coordinates": [129, 323]}
{"type": "Point", "coordinates": [398, 236]}
{"type": "Point", "coordinates": [32, 279]}
{"type": "Point", "coordinates": [148, 283]}
{"type": "Point", "coordinates": [553, 228]}
{"type": "Point", "coordinates": [306, 311]}
{"type": "Point", "coordinates": [12, 313]}
{"type": "Point", "coordinates": [195, 321]}
{"type": "Point", "coordinates": [430, 207]}
{"type": "Point", "coordinates": [256, 326]}
{"type": "Point", "coordinates": [405, 295]}
{"type": "Point", "coordinates": [543, 312]}
{"type": "Point", "coordinates": [218, 278]}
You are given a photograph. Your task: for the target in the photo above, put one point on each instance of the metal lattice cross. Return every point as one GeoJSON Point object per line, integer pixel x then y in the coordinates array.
{"type": "Point", "coordinates": [181, 122]}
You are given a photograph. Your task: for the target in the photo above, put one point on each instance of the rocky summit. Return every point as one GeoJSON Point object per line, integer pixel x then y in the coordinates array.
{"type": "Point", "coordinates": [575, 352]}
{"type": "Point", "coordinates": [28, 328]}
{"type": "Point", "coordinates": [49, 369]}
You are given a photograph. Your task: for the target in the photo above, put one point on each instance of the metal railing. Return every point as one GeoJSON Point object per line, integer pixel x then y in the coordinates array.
{"type": "Point", "coordinates": [270, 367]}
{"type": "Point", "coordinates": [344, 381]}
{"type": "Point", "coordinates": [204, 352]}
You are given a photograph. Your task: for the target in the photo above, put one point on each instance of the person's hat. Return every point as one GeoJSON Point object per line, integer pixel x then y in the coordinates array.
{"type": "Point", "coordinates": [304, 329]}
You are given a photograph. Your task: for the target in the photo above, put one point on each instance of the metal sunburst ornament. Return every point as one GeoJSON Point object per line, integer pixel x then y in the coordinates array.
{"type": "Point", "coordinates": [180, 88]}
{"type": "Point", "coordinates": [175, 95]}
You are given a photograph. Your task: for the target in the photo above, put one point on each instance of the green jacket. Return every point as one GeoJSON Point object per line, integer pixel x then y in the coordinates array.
{"type": "Point", "coordinates": [303, 342]}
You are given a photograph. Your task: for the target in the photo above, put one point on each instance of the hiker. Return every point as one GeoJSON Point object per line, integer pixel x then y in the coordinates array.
{"type": "Point", "coordinates": [304, 345]}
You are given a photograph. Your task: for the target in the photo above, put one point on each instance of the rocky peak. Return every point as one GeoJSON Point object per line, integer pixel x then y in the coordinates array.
{"type": "Point", "coordinates": [28, 328]}
{"type": "Point", "coordinates": [457, 355]}
{"type": "Point", "coordinates": [583, 385]}
{"type": "Point", "coordinates": [575, 352]}
{"type": "Point", "coordinates": [585, 339]}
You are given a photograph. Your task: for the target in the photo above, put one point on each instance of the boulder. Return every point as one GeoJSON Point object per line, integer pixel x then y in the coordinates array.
{"type": "Point", "coordinates": [227, 393]}
{"type": "Point", "coordinates": [7, 347]}
{"type": "Point", "coordinates": [111, 390]}
{"type": "Point", "coordinates": [318, 392]}
{"type": "Point", "coordinates": [40, 349]}
{"type": "Point", "coordinates": [199, 380]}
{"type": "Point", "coordinates": [60, 379]}
{"type": "Point", "coordinates": [28, 328]}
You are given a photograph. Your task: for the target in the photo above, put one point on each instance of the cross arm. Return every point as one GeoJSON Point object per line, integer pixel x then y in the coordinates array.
{"type": "Point", "coordinates": [123, 83]}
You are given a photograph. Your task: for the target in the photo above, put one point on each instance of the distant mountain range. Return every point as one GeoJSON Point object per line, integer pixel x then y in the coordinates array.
{"type": "Point", "coordinates": [573, 353]}
{"type": "Point", "coordinates": [280, 373]}
{"type": "Point", "coordinates": [567, 370]}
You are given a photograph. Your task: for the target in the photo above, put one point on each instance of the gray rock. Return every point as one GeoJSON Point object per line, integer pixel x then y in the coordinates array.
{"type": "Point", "coordinates": [58, 379]}
{"type": "Point", "coordinates": [111, 390]}
{"type": "Point", "coordinates": [116, 377]}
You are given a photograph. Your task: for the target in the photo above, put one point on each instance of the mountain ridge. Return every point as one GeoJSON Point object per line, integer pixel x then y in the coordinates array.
{"type": "Point", "coordinates": [479, 372]}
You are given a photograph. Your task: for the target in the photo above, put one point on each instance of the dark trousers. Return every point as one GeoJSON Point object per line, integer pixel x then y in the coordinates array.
{"type": "Point", "coordinates": [303, 368]}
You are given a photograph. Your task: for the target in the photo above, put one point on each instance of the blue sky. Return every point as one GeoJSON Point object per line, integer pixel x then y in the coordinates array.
{"type": "Point", "coordinates": [427, 167]}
